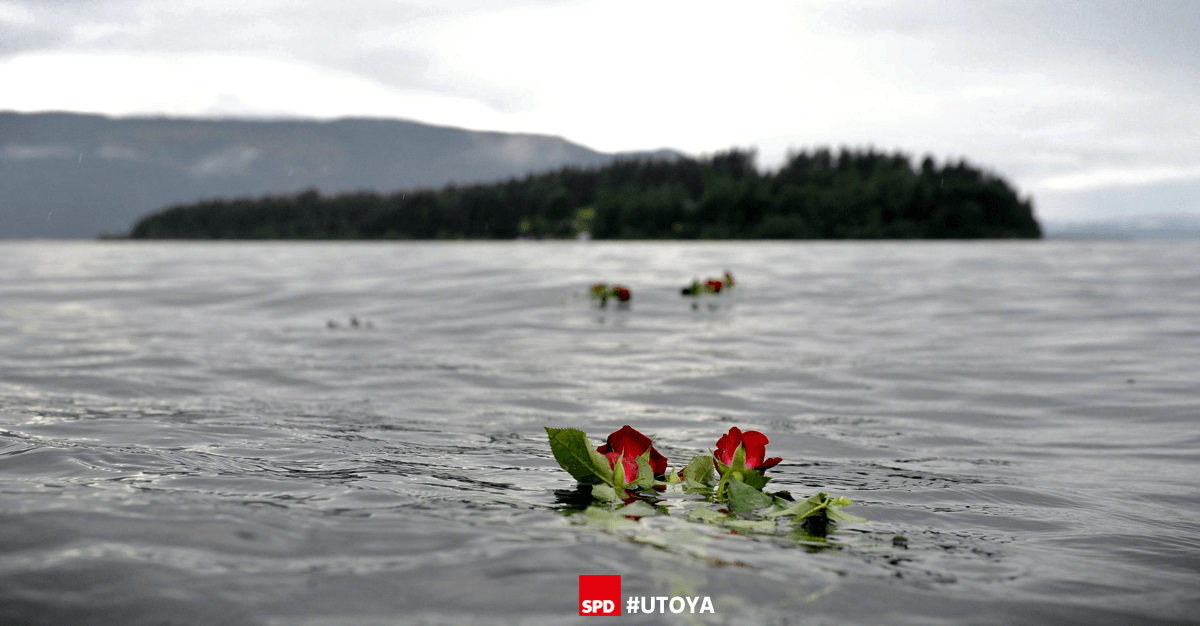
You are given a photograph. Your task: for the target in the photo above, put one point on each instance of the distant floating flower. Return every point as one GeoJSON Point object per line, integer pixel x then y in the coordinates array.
{"type": "Point", "coordinates": [603, 292]}
{"type": "Point", "coordinates": [354, 322]}
{"type": "Point", "coordinates": [711, 285]}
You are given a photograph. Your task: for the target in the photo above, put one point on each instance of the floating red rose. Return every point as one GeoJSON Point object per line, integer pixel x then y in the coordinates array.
{"type": "Point", "coordinates": [603, 292]}
{"type": "Point", "coordinates": [629, 444]}
{"type": "Point", "coordinates": [619, 475]}
{"type": "Point", "coordinates": [709, 286]}
{"type": "Point", "coordinates": [755, 444]}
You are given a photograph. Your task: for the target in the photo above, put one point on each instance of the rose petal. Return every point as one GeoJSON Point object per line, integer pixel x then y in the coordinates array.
{"type": "Point", "coordinates": [727, 445]}
{"type": "Point", "coordinates": [756, 447]}
{"type": "Point", "coordinates": [658, 462]}
{"type": "Point", "coordinates": [629, 440]}
{"type": "Point", "coordinates": [634, 444]}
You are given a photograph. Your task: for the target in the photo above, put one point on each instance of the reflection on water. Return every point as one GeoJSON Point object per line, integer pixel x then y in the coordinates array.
{"type": "Point", "coordinates": [185, 439]}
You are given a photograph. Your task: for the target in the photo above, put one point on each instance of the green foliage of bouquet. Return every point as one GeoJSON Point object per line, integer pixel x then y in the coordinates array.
{"type": "Point", "coordinates": [628, 469]}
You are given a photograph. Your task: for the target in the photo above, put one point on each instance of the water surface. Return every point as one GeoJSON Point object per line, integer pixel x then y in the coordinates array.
{"type": "Point", "coordinates": [196, 433]}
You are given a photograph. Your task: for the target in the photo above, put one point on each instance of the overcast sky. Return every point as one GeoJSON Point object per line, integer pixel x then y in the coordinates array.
{"type": "Point", "coordinates": [1091, 107]}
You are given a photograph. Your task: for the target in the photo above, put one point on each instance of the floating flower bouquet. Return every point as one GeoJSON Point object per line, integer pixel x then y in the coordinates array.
{"type": "Point", "coordinates": [602, 293]}
{"type": "Point", "coordinates": [628, 469]}
{"type": "Point", "coordinates": [709, 286]}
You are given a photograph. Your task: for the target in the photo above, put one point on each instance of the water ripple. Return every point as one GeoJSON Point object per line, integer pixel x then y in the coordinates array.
{"type": "Point", "coordinates": [186, 438]}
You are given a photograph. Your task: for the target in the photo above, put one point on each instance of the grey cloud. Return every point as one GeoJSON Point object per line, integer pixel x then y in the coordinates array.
{"type": "Point", "coordinates": [1162, 33]}
{"type": "Point", "coordinates": [16, 40]}
{"type": "Point", "coordinates": [47, 24]}
{"type": "Point", "coordinates": [1139, 60]}
{"type": "Point", "coordinates": [68, 4]}
{"type": "Point", "coordinates": [414, 69]}
{"type": "Point", "coordinates": [21, 36]}
{"type": "Point", "coordinates": [320, 33]}
{"type": "Point", "coordinates": [1121, 36]}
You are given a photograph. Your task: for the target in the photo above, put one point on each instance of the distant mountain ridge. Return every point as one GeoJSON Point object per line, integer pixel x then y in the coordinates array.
{"type": "Point", "coordinates": [78, 175]}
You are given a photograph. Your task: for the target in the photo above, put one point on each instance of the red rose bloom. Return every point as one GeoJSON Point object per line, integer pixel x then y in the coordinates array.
{"type": "Point", "coordinates": [755, 444]}
{"type": "Point", "coordinates": [714, 286]}
{"type": "Point", "coordinates": [630, 444]}
{"type": "Point", "coordinates": [628, 462]}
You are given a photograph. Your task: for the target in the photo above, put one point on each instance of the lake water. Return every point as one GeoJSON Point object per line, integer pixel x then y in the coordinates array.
{"type": "Point", "coordinates": [185, 439]}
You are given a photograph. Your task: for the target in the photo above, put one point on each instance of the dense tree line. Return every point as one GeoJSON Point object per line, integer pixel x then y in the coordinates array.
{"type": "Point", "coordinates": [815, 195]}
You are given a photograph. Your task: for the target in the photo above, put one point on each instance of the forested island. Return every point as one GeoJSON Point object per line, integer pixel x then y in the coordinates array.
{"type": "Point", "coordinates": [815, 195]}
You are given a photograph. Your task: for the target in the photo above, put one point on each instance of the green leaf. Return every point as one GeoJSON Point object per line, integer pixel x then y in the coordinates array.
{"type": "Point", "coordinates": [748, 477]}
{"type": "Point", "coordinates": [608, 519]}
{"type": "Point", "coordinates": [576, 454]}
{"type": "Point", "coordinates": [835, 513]}
{"type": "Point", "coordinates": [754, 479]}
{"type": "Point", "coordinates": [600, 464]}
{"type": "Point", "coordinates": [750, 526]}
{"type": "Point", "coordinates": [645, 479]}
{"type": "Point", "coordinates": [637, 508]}
{"type": "Point", "coordinates": [743, 497]}
{"type": "Point", "coordinates": [819, 505]}
{"type": "Point", "coordinates": [839, 515]}
{"type": "Point", "coordinates": [700, 470]}
{"type": "Point", "coordinates": [804, 509]}
{"type": "Point", "coordinates": [605, 493]}
{"type": "Point", "coordinates": [707, 515]}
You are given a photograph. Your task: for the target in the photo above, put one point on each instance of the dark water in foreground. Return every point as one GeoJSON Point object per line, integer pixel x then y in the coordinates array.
{"type": "Point", "coordinates": [184, 441]}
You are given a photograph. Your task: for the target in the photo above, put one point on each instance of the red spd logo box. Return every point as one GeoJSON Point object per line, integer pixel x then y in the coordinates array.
{"type": "Point", "coordinates": [599, 595]}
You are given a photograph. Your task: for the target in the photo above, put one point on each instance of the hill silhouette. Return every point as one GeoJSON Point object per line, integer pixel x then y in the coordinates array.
{"type": "Point", "coordinates": [815, 195]}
